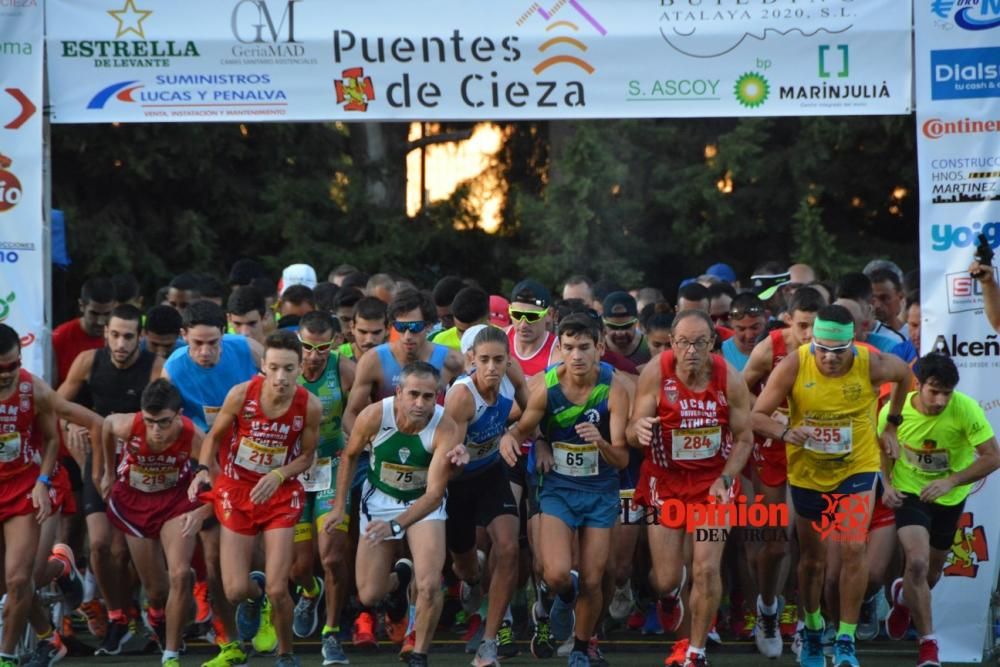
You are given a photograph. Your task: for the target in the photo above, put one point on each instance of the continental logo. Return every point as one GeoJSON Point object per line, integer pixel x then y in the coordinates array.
{"type": "Point", "coordinates": [935, 128]}
{"type": "Point", "coordinates": [566, 17]}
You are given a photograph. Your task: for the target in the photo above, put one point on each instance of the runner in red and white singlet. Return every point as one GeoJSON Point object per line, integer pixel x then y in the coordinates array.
{"type": "Point", "coordinates": [148, 502]}
{"type": "Point", "coordinates": [269, 429]}
{"type": "Point", "coordinates": [692, 417]}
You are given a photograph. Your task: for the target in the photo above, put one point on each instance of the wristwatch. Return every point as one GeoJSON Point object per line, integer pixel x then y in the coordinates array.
{"type": "Point", "coordinates": [895, 420]}
{"type": "Point", "coordinates": [198, 468]}
{"type": "Point", "coordinates": [396, 529]}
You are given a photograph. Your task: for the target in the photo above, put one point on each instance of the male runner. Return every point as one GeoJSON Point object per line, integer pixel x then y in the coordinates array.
{"type": "Point", "coordinates": [747, 319]}
{"type": "Point", "coordinates": [162, 335]}
{"type": "Point", "coordinates": [480, 404]}
{"type": "Point", "coordinates": [692, 414]}
{"type": "Point", "coordinates": [97, 300]}
{"type": "Point", "coordinates": [204, 371]}
{"type": "Point", "coordinates": [368, 327]}
{"type": "Point", "coordinates": [25, 407]}
{"type": "Point", "coordinates": [621, 319]}
{"type": "Point", "coordinates": [344, 304]}
{"type": "Point", "coordinates": [414, 449]}
{"type": "Point", "coordinates": [581, 408]}
{"type": "Point", "coordinates": [110, 380]}
{"type": "Point", "coordinates": [471, 306]}
{"type": "Point", "coordinates": [268, 429]}
{"type": "Point", "coordinates": [946, 445]}
{"type": "Point", "coordinates": [832, 448]}
{"type": "Point", "coordinates": [328, 376]}
{"type": "Point", "coordinates": [246, 311]}
{"type": "Point", "coordinates": [147, 501]}
{"type": "Point", "coordinates": [770, 464]}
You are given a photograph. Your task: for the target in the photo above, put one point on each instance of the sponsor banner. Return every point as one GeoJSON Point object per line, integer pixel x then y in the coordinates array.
{"type": "Point", "coordinates": [957, 73]}
{"type": "Point", "coordinates": [22, 268]}
{"type": "Point", "coordinates": [182, 60]}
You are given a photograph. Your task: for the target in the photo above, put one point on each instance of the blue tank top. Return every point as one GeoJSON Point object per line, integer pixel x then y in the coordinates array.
{"type": "Point", "coordinates": [559, 426]}
{"type": "Point", "coordinates": [391, 368]}
{"type": "Point", "coordinates": [204, 390]}
{"type": "Point", "coordinates": [489, 422]}
{"type": "Point", "coordinates": [733, 355]}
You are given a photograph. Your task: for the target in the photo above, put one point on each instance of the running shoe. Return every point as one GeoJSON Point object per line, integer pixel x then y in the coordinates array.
{"type": "Point", "coordinates": [622, 602]}
{"type": "Point", "coordinates": [409, 644]}
{"type": "Point", "coordinates": [363, 632]}
{"type": "Point", "coordinates": [248, 611]}
{"type": "Point", "coordinates": [678, 654]}
{"type": "Point", "coordinates": [789, 620]}
{"type": "Point", "coordinates": [579, 659]}
{"type": "Point", "coordinates": [70, 583]}
{"type": "Point", "coordinates": [868, 619]}
{"type": "Point", "coordinates": [305, 616]}
{"type": "Point", "coordinates": [506, 648]}
{"type": "Point", "coordinates": [844, 654]}
{"type": "Point", "coordinates": [230, 655]}
{"type": "Point", "coordinates": [287, 660]}
{"type": "Point", "coordinates": [928, 656]}
{"type": "Point", "coordinates": [266, 639]}
{"type": "Point", "coordinates": [766, 635]}
{"type": "Point", "coordinates": [541, 638]}
{"type": "Point", "coordinates": [47, 652]}
{"type": "Point", "coordinates": [474, 633]}
{"type": "Point", "coordinates": [97, 617]}
{"type": "Point", "coordinates": [119, 633]}
{"type": "Point", "coordinates": [898, 621]}
{"type": "Point", "coordinates": [486, 654]}
{"type": "Point", "coordinates": [203, 607]}
{"type": "Point", "coordinates": [811, 654]}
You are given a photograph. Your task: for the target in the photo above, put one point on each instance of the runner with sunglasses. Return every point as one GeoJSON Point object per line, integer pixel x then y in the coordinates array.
{"type": "Point", "coordinates": [148, 502]}
{"type": "Point", "coordinates": [411, 315]}
{"type": "Point", "coordinates": [691, 418]}
{"type": "Point", "coordinates": [747, 319]}
{"type": "Point", "coordinates": [621, 320]}
{"type": "Point", "coordinates": [27, 433]}
{"type": "Point", "coordinates": [770, 465]}
{"type": "Point", "coordinates": [329, 377]}
{"type": "Point", "coordinates": [832, 448]}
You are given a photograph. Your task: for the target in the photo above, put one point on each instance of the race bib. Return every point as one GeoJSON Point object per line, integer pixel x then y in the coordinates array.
{"type": "Point", "coordinates": [927, 460]}
{"type": "Point", "coordinates": [695, 444]}
{"type": "Point", "coordinates": [575, 460]}
{"type": "Point", "coordinates": [151, 480]}
{"type": "Point", "coordinates": [258, 457]}
{"type": "Point", "coordinates": [480, 450]}
{"type": "Point", "coordinates": [831, 436]}
{"type": "Point", "coordinates": [10, 447]}
{"type": "Point", "coordinates": [210, 414]}
{"type": "Point", "coordinates": [404, 478]}
{"type": "Point", "coordinates": [319, 477]}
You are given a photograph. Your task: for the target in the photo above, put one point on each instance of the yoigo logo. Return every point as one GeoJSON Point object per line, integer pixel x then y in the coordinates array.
{"type": "Point", "coordinates": [946, 237]}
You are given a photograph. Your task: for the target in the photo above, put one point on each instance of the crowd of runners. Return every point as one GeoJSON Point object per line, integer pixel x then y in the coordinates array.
{"type": "Point", "coordinates": [370, 464]}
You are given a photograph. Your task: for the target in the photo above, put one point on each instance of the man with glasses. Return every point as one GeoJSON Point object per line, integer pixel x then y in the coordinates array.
{"type": "Point", "coordinates": [621, 320]}
{"type": "Point", "coordinates": [264, 437]}
{"type": "Point", "coordinates": [692, 418]}
{"type": "Point", "coordinates": [833, 462]}
{"type": "Point", "coordinates": [771, 467]}
{"type": "Point", "coordinates": [28, 435]}
{"type": "Point", "coordinates": [329, 377]}
{"type": "Point", "coordinates": [720, 301]}
{"type": "Point", "coordinates": [204, 371]}
{"type": "Point", "coordinates": [747, 319]}
{"type": "Point", "coordinates": [148, 502]}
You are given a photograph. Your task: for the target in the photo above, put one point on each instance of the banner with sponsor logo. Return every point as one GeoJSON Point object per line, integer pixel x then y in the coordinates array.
{"type": "Point", "coordinates": [958, 147]}
{"type": "Point", "coordinates": [22, 267]}
{"type": "Point", "coordinates": [181, 60]}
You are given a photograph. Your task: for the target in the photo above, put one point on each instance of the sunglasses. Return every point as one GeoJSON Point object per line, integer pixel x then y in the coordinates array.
{"type": "Point", "coordinates": [719, 317]}
{"type": "Point", "coordinates": [11, 367]}
{"type": "Point", "coordinates": [752, 311]}
{"type": "Point", "coordinates": [529, 316]}
{"type": "Point", "coordinates": [162, 422]}
{"type": "Point", "coordinates": [322, 347]}
{"type": "Point", "coordinates": [621, 326]}
{"type": "Point", "coordinates": [412, 327]}
{"type": "Point", "coordinates": [840, 349]}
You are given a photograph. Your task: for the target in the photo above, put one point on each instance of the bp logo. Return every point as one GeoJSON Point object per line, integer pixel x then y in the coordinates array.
{"type": "Point", "coordinates": [355, 90]}
{"type": "Point", "coordinates": [752, 90]}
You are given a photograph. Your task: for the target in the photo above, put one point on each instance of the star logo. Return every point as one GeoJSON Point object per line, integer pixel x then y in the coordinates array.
{"type": "Point", "coordinates": [129, 19]}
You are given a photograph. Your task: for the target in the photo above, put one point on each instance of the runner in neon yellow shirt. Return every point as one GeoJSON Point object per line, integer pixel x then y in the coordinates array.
{"type": "Point", "coordinates": [945, 445]}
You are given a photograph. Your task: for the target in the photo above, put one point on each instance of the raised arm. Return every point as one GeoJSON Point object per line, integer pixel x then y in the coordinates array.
{"type": "Point", "coordinates": [779, 386]}
{"type": "Point", "coordinates": [365, 428]}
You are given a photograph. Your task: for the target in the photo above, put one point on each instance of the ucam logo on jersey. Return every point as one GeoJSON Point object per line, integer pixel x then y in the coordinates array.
{"type": "Point", "coordinates": [965, 73]}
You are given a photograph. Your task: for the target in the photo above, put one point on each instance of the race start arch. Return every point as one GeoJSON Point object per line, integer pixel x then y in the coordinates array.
{"type": "Point", "coordinates": [101, 61]}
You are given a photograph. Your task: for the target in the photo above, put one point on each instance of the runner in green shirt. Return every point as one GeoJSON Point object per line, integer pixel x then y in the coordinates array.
{"type": "Point", "coordinates": [945, 445]}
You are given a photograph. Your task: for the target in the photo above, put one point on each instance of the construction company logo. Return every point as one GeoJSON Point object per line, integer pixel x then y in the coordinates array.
{"type": "Point", "coordinates": [845, 517]}
{"type": "Point", "coordinates": [974, 15]}
{"type": "Point", "coordinates": [969, 549]}
{"type": "Point", "coordinates": [10, 187]}
{"type": "Point", "coordinates": [354, 89]}
{"type": "Point", "coordinates": [130, 48]}
{"type": "Point", "coordinates": [965, 293]}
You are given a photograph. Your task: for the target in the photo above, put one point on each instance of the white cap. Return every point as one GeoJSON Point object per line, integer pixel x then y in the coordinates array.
{"type": "Point", "coordinates": [298, 274]}
{"type": "Point", "coordinates": [470, 336]}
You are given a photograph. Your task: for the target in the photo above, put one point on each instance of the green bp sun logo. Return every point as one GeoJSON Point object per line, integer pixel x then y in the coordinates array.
{"type": "Point", "coordinates": [752, 90]}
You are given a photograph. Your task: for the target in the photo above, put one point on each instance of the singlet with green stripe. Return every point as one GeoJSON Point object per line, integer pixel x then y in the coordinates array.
{"type": "Point", "coordinates": [399, 461]}
{"type": "Point", "coordinates": [559, 426]}
{"type": "Point", "coordinates": [331, 396]}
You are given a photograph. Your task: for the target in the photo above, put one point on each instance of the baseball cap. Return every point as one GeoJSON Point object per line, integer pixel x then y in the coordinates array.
{"type": "Point", "coordinates": [723, 272]}
{"type": "Point", "coordinates": [533, 292]}
{"type": "Point", "coordinates": [470, 336]}
{"type": "Point", "coordinates": [764, 286]}
{"type": "Point", "coordinates": [620, 304]}
{"type": "Point", "coordinates": [499, 317]}
{"type": "Point", "coordinates": [297, 274]}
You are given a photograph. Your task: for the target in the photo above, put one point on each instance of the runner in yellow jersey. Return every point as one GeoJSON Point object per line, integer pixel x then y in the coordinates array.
{"type": "Point", "coordinates": [946, 444]}
{"type": "Point", "coordinates": [833, 462]}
